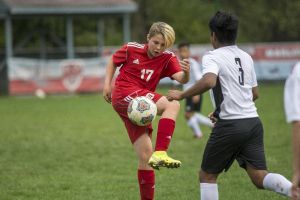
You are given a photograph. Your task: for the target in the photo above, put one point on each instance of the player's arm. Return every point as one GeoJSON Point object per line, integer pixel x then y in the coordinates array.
{"type": "Point", "coordinates": [117, 60]}
{"type": "Point", "coordinates": [255, 93]}
{"type": "Point", "coordinates": [296, 151]}
{"type": "Point", "coordinates": [254, 81]}
{"type": "Point", "coordinates": [196, 99]}
{"type": "Point", "coordinates": [207, 82]}
{"type": "Point", "coordinates": [184, 75]}
{"type": "Point", "coordinates": [292, 94]}
{"type": "Point", "coordinates": [109, 74]}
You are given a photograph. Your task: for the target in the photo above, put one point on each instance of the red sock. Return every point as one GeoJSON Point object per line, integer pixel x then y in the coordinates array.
{"type": "Point", "coordinates": [164, 134]}
{"type": "Point", "coordinates": [147, 184]}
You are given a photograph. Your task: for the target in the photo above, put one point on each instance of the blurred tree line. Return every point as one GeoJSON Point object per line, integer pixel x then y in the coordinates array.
{"type": "Point", "coordinates": [260, 21]}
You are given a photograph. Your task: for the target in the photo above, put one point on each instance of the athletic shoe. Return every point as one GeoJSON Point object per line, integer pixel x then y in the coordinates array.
{"type": "Point", "coordinates": [161, 159]}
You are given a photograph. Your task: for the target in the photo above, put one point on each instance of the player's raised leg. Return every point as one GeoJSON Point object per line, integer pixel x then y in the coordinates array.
{"type": "Point", "coordinates": [262, 179]}
{"type": "Point", "coordinates": [146, 176]}
{"type": "Point", "coordinates": [168, 111]}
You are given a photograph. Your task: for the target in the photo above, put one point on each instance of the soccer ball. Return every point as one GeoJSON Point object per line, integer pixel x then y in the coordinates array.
{"type": "Point", "coordinates": [141, 111]}
{"type": "Point", "coordinates": [40, 93]}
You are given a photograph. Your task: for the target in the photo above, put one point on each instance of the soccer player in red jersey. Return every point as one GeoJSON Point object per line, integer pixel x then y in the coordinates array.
{"type": "Point", "coordinates": [141, 68]}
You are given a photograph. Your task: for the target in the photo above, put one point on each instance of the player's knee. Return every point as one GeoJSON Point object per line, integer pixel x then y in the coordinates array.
{"type": "Point", "coordinates": [207, 178]}
{"type": "Point", "coordinates": [145, 155]}
{"type": "Point", "coordinates": [188, 115]}
{"type": "Point", "coordinates": [174, 105]}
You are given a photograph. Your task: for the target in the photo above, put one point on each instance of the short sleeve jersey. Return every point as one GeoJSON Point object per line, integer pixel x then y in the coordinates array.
{"type": "Point", "coordinates": [138, 71]}
{"type": "Point", "coordinates": [195, 74]}
{"type": "Point", "coordinates": [292, 95]}
{"type": "Point", "coordinates": [232, 94]}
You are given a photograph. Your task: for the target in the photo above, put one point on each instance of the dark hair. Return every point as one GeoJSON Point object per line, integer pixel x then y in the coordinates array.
{"type": "Point", "coordinates": [225, 26]}
{"type": "Point", "coordinates": [183, 44]}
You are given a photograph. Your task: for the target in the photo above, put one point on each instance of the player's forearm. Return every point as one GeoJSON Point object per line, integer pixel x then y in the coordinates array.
{"type": "Point", "coordinates": [255, 93]}
{"type": "Point", "coordinates": [185, 77]}
{"type": "Point", "coordinates": [110, 71]}
{"type": "Point", "coordinates": [296, 146]}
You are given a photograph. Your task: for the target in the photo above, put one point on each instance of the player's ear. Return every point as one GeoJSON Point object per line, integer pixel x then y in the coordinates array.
{"type": "Point", "coordinates": [148, 37]}
{"type": "Point", "coordinates": [213, 34]}
{"type": "Point", "coordinates": [213, 39]}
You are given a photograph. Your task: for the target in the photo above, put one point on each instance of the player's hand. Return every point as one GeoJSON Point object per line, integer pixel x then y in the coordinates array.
{"type": "Point", "coordinates": [174, 95]}
{"type": "Point", "coordinates": [185, 65]}
{"type": "Point", "coordinates": [107, 93]}
{"type": "Point", "coordinates": [196, 99]}
{"type": "Point", "coordinates": [212, 118]}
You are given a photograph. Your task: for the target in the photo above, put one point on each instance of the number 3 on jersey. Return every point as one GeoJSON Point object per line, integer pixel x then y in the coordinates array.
{"type": "Point", "coordinates": [241, 76]}
{"type": "Point", "coordinates": [146, 72]}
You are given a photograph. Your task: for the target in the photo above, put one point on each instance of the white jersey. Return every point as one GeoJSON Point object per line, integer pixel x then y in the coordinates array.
{"type": "Point", "coordinates": [195, 73]}
{"type": "Point", "coordinates": [232, 94]}
{"type": "Point", "coordinates": [292, 95]}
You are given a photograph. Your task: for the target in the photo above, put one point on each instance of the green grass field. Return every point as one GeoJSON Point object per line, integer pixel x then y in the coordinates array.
{"type": "Point", "coordinates": [76, 148]}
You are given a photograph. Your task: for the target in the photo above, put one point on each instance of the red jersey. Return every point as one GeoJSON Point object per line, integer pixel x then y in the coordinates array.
{"type": "Point", "coordinates": [138, 71]}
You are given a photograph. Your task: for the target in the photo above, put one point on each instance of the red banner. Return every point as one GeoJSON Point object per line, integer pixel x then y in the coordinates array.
{"type": "Point", "coordinates": [277, 51]}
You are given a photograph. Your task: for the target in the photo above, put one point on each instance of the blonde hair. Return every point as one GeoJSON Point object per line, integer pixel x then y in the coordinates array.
{"type": "Point", "coordinates": [165, 30]}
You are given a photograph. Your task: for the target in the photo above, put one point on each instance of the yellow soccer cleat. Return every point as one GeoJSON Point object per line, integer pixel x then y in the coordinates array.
{"type": "Point", "coordinates": [161, 159]}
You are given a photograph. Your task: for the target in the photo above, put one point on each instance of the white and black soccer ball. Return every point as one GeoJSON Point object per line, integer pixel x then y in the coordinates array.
{"type": "Point", "coordinates": [142, 111]}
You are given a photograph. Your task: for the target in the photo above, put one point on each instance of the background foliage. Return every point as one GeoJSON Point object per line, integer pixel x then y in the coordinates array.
{"type": "Point", "coordinates": [260, 21]}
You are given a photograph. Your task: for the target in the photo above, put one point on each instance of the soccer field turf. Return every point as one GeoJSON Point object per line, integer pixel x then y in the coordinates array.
{"type": "Point", "coordinates": [76, 148]}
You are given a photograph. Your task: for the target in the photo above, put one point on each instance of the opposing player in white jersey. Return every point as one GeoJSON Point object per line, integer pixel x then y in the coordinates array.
{"type": "Point", "coordinates": [193, 104]}
{"type": "Point", "coordinates": [292, 110]}
{"type": "Point", "coordinates": [238, 132]}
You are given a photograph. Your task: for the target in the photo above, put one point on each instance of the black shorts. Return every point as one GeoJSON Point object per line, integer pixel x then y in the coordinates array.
{"type": "Point", "coordinates": [190, 106]}
{"type": "Point", "coordinates": [240, 139]}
